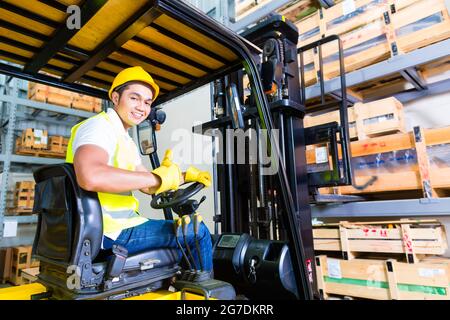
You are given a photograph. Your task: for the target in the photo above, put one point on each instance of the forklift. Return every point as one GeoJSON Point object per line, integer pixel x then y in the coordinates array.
{"type": "Point", "coordinates": [264, 249]}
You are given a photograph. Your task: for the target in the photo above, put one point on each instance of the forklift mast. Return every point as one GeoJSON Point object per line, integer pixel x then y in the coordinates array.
{"type": "Point", "coordinates": [251, 201]}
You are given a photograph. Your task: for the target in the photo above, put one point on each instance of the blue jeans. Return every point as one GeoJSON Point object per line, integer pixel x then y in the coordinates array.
{"type": "Point", "coordinates": [155, 234]}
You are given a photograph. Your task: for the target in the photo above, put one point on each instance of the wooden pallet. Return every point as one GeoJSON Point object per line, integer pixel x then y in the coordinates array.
{"type": "Point", "coordinates": [19, 211]}
{"type": "Point", "coordinates": [384, 279]}
{"type": "Point", "coordinates": [30, 275]}
{"type": "Point", "coordinates": [371, 119]}
{"type": "Point", "coordinates": [371, 31]}
{"type": "Point", "coordinates": [64, 98]}
{"type": "Point", "coordinates": [419, 176]}
{"type": "Point", "coordinates": [39, 153]}
{"type": "Point", "coordinates": [412, 238]}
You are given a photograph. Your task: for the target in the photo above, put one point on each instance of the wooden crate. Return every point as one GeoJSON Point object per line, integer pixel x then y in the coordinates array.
{"type": "Point", "coordinates": [372, 31]}
{"type": "Point", "coordinates": [412, 238]}
{"type": "Point", "coordinates": [87, 103]}
{"type": "Point", "coordinates": [58, 144]}
{"type": "Point", "coordinates": [383, 279]}
{"type": "Point", "coordinates": [34, 138]}
{"type": "Point", "coordinates": [43, 93]}
{"type": "Point", "coordinates": [27, 151]}
{"type": "Point", "coordinates": [379, 118]}
{"type": "Point", "coordinates": [21, 257]}
{"type": "Point", "coordinates": [24, 196]}
{"type": "Point", "coordinates": [417, 176]}
{"type": "Point", "coordinates": [61, 97]}
{"type": "Point", "coordinates": [312, 120]}
{"type": "Point", "coordinates": [5, 264]}
{"type": "Point", "coordinates": [366, 119]}
{"type": "Point", "coordinates": [21, 260]}
{"type": "Point", "coordinates": [16, 276]}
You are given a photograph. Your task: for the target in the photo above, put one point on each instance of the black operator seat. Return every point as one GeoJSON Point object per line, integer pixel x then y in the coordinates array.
{"type": "Point", "coordinates": [68, 244]}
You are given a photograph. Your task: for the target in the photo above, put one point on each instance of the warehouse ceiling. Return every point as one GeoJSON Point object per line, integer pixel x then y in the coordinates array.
{"type": "Point", "coordinates": [39, 36]}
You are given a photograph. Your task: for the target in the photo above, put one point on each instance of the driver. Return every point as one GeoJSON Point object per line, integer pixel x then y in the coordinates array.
{"type": "Point", "coordinates": [107, 161]}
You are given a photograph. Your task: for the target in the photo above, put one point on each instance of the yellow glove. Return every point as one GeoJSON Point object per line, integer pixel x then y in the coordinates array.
{"type": "Point", "coordinates": [169, 173]}
{"type": "Point", "coordinates": [195, 175]}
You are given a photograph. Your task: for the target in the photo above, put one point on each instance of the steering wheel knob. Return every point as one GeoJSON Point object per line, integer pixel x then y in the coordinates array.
{"type": "Point", "coordinates": [173, 198]}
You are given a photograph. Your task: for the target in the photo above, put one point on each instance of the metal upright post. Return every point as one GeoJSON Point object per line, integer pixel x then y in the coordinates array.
{"type": "Point", "coordinates": [8, 149]}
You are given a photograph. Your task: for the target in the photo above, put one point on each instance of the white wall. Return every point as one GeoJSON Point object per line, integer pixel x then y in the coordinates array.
{"type": "Point", "coordinates": [428, 112]}
{"type": "Point", "coordinates": [176, 133]}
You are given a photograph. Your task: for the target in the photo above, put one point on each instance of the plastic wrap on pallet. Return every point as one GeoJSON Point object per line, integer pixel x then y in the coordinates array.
{"type": "Point", "coordinates": [395, 161]}
{"type": "Point", "coordinates": [439, 155]}
{"type": "Point", "coordinates": [420, 24]}
{"type": "Point", "coordinates": [357, 49]}
{"type": "Point", "coordinates": [309, 34]}
{"type": "Point", "coordinates": [388, 162]}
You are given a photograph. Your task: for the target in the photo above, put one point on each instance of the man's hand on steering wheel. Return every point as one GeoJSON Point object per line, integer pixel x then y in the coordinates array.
{"type": "Point", "coordinates": [169, 173]}
{"type": "Point", "coordinates": [172, 178]}
{"type": "Point", "coordinates": [195, 175]}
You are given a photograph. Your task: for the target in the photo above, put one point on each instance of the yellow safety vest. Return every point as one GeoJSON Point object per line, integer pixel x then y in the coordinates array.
{"type": "Point", "coordinates": [119, 210]}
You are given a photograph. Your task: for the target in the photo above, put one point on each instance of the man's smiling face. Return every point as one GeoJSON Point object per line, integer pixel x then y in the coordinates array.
{"type": "Point", "coordinates": [133, 105]}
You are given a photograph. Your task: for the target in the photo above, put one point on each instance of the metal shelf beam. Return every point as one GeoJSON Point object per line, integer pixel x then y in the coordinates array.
{"type": "Point", "coordinates": [31, 160]}
{"type": "Point", "coordinates": [393, 65]}
{"type": "Point", "coordinates": [46, 106]}
{"type": "Point", "coordinates": [22, 219]}
{"type": "Point", "coordinates": [391, 208]}
{"type": "Point", "coordinates": [257, 15]}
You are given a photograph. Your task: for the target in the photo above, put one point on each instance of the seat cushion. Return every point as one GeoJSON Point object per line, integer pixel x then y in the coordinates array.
{"type": "Point", "coordinates": [156, 258]}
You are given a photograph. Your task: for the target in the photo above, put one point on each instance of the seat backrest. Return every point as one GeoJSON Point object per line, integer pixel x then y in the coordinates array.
{"type": "Point", "coordinates": [68, 216]}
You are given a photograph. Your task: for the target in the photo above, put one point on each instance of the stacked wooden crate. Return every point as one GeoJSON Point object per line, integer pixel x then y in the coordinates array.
{"type": "Point", "coordinates": [23, 197]}
{"type": "Point", "coordinates": [37, 143]}
{"type": "Point", "coordinates": [371, 31]}
{"type": "Point", "coordinates": [415, 164]}
{"type": "Point", "coordinates": [21, 259]}
{"type": "Point", "coordinates": [34, 138]}
{"type": "Point", "coordinates": [58, 144]}
{"type": "Point", "coordinates": [371, 119]}
{"type": "Point", "coordinates": [383, 260]}
{"type": "Point", "coordinates": [65, 98]}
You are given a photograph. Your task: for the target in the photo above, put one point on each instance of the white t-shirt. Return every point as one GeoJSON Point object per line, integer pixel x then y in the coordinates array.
{"type": "Point", "coordinates": [100, 132]}
{"type": "Point", "coordinates": [103, 133]}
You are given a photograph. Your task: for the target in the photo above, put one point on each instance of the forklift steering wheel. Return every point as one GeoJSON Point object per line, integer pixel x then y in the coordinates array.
{"type": "Point", "coordinates": [172, 198]}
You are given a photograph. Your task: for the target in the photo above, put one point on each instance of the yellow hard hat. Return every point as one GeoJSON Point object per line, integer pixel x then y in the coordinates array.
{"type": "Point", "coordinates": [134, 74]}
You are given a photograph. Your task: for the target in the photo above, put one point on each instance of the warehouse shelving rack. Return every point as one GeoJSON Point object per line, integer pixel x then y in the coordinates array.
{"type": "Point", "coordinates": [10, 99]}
{"type": "Point", "coordinates": [397, 64]}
